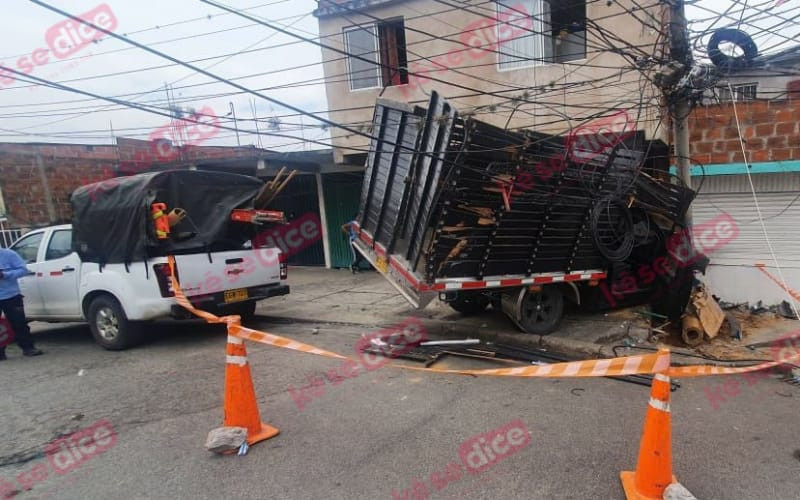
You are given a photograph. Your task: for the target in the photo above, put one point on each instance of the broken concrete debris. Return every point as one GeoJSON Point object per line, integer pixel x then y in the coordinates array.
{"type": "Point", "coordinates": [226, 439]}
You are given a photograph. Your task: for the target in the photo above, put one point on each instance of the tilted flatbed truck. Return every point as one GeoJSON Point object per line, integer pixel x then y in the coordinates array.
{"type": "Point", "coordinates": [456, 208]}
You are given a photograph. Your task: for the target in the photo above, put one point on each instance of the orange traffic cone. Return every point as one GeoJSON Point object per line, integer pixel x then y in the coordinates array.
{"type": "Point", "coordinates": [654, 470]}
{"type": "Point", "coordinates": [241, 407]}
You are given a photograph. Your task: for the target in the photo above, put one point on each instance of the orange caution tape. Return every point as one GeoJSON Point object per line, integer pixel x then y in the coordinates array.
{"type": "Point", "coordinates": [704, 370]}
{"type": "Point", "coordinates": [641, 364]}
{"type": "Point", "coordinates": [647, 363]}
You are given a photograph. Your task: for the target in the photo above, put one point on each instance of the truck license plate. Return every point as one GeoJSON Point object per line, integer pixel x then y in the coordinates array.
{"type": "Point", "coordinates": [235, 295]}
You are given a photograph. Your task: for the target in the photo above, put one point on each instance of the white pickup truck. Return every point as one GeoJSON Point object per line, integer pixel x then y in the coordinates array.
{"type": "Point", "coordinates": [116, 299]}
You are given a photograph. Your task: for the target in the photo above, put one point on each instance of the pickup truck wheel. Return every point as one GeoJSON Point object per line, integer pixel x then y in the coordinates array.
{"type": "Point", "coordinates": [110, 327]}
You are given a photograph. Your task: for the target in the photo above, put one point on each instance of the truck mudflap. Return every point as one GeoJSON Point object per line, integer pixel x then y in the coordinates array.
{"type": "Point", "coordinates": [418, 293]}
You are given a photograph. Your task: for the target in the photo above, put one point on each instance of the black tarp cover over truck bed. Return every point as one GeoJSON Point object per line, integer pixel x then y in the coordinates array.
{"type": "Point", "coordinates": [112, 222]}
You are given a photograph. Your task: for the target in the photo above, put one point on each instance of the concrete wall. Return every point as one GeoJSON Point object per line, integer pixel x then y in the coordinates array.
{"type": "Point", "coordinates": [478, 70]}
{"type": "Point", "coordinates": [748, 284]}
{"type": "Point", "coordinates": [770, 84]}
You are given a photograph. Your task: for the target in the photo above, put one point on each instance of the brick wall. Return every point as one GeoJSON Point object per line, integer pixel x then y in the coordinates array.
{"type": "Point", "coordinates": [67, 167]}
{"type": "Point", "coordinates": [769, 128]}
{"type": "Point", "coordinates": [136, 156]}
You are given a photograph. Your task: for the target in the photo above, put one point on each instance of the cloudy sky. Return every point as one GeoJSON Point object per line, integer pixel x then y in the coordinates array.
{"type": "Point", "coordinates": [227, 45]}
{"type": "Point", "coordinates": [188, 30]}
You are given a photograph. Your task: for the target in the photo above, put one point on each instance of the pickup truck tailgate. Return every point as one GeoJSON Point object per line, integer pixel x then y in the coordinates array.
{"type": "Point", "coordinates": [204, 273]}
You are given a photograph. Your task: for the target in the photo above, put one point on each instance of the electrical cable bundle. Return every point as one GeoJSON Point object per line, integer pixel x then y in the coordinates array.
{"type": "Point", "coordinates": [613, 234]}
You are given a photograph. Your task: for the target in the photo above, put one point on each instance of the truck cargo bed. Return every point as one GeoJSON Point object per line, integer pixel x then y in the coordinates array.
{"type": "Point", "coordinates": [453, 203]}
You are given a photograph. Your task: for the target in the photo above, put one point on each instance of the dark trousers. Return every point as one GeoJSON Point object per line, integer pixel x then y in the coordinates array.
{"type": "Point", "coordinates": [15, 314]}
{"type": "Point", "coordinates": [357, 257]}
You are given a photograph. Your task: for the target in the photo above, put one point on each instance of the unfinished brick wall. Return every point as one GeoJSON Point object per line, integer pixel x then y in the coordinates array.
{"type": "Point", "coordinates": [769, 128]}
{"type": "Point", "coordinates": [65, 167]}
{"type": "Point", "coordinates": [138, 156]}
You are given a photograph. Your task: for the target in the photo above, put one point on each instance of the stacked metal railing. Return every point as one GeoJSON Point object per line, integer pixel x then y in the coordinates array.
{"type": "Point", "coordinates": [457, 197]}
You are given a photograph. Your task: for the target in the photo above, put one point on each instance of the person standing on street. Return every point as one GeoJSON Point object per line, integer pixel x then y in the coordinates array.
{"type": "Point", "coordinates": [12, 267]}
{"type": "Point", "coordinates": [349, 228]}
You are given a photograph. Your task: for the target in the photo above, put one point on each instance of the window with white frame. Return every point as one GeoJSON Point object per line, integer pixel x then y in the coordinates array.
{"type": "Point", "coordinates": [534, 32]}
{"type": "Point", "coordinates": [376, 55]}
{"type": "Point", "coordinates": [741, 92]}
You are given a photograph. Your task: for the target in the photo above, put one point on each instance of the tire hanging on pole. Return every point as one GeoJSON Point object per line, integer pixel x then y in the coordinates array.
{"type": "Point", "coordinates": [736, 37]}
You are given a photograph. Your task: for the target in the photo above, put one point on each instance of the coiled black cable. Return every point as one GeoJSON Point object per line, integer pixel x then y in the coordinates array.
{"type": "Point", "coordinates": [613, 237]}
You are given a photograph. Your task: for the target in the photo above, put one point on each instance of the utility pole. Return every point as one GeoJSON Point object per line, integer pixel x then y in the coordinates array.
{"type": "Point", "coordinates": [680, 52]}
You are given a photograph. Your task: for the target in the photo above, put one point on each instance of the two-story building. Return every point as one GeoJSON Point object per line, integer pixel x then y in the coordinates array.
{"type": "Point", "coordinates": [535, 64]}
{"type": "Point", "coordinates": [550, 65]}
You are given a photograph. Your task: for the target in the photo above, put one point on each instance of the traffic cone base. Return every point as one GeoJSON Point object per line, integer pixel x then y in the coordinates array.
{"type": "Point", "coordinates": [629, 485]}
{"type": "Point", "coordinates": [266, 432]}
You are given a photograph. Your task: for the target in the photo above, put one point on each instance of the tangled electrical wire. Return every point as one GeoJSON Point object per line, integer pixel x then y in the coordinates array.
{"type": "Point", "coordinates": [611, 225]}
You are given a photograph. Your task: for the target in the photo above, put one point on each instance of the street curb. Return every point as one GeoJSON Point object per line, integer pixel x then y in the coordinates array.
{"type": "Point", "coordinates": [571, 347]}
{"type": "Point", "coordinates": [449, 328]}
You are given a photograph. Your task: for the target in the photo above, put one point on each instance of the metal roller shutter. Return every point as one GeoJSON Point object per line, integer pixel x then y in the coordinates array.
{"type": "Point", "coordinates": [779, 199]}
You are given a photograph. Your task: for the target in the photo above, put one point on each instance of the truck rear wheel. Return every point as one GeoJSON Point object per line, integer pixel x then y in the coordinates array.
{"type": "Point", "coordinates": [110, 326]}
{"type": "Point", "coordinates": [470, 303]}
{"type": "Point", "coordinates": [535, 311]}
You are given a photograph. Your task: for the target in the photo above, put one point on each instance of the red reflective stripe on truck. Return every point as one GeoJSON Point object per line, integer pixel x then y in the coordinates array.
{"type": "Point", "coordinates": [56, 273]}
{"type": "Point", "coordinates": [470, 285]}
{"type": "Point", "coordinates": [474, 284]}
{"type": "Point", "coordinates": [536, 280]}
{"type": "Point", "coordinates": [364, 235]}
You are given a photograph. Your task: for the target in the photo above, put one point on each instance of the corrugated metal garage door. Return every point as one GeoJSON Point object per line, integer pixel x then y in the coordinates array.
{"type": "Point", "coordinates": [779, 199]}
{"type": "Point", "coordinates": [298, 199]}
{"type": "Point", "coordinates": [342, 194]}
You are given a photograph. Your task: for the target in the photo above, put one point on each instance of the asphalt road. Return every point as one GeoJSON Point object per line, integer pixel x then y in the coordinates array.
{"type": "Point", "coordinates": [376, 435]}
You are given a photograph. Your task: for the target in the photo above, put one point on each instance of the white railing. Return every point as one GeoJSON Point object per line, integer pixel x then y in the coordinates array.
{"type": "Point", "coordinates": [9, 236]}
